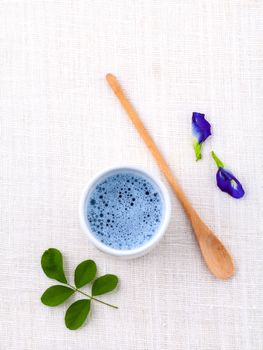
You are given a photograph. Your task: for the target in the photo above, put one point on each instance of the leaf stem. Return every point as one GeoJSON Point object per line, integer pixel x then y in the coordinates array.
{"type": "Point", "coordinates": [217, 160]}
{"type": "Point", "coordinates": [91, 297]}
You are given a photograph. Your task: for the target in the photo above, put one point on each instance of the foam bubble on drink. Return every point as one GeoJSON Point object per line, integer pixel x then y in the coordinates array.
{"type": "Point", "coordinates": [125, 210]}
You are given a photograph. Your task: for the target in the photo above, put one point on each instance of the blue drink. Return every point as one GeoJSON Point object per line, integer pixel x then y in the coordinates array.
{"type": "Point", "coordinates": [125, 209]}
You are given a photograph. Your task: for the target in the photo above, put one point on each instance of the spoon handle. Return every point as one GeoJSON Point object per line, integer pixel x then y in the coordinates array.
{"type": "Point", "coordinates": [114, 84]}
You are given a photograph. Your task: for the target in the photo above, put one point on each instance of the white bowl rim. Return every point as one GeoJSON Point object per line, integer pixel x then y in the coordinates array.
{"type": "Point", "coordinates": [143, 249]}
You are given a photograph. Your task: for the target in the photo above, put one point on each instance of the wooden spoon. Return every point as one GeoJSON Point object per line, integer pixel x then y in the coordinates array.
{"type": "Point", "coordinates": [216, 256]}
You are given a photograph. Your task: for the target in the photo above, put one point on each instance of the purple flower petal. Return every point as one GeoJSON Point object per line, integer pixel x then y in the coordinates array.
{"type": "Point", "coordinates": [229, 183]}
{"type": "Point", "coordinates": [226, 181]}
{"type": "Point", "coordinates": [201, 131]}
{"type": "Point", "coordinates": [201, 127]}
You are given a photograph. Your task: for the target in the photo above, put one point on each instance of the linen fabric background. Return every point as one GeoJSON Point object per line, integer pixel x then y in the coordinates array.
{"type": "Point", "coordinates": [60, 124]}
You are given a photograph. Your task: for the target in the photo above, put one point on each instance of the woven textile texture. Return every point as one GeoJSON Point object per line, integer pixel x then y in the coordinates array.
{"type": "Point", "coordinates": [60, 124]}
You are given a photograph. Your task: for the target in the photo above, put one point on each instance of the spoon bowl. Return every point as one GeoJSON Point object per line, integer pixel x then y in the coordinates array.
{"type": "Point", "coordinates": [216, 256]}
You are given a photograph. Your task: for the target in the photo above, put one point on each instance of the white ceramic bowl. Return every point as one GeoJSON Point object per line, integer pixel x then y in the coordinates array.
{"type": "Point", "coordinates": [129, 253]}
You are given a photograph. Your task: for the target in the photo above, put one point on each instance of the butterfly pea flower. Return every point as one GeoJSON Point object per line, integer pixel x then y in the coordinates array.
{"type": "Point", "coordinates": [226, 181]}
{"type": "Point", "coordinates": [201, 130]}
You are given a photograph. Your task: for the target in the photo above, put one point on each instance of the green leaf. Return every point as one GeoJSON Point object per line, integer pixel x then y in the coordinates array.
{"type": "Point", "coordinates": [56, 295]}
{"type": "Point", "coordinates": [85, 272]}
{"type": "Point", "coordinates": [217, 160]}
{"type": "Point", "coordinates": [52, 265]}
{"type": "Point", "coordinates": [77, 313]}
{"type": "Point", "coordinates": [104, 284]}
